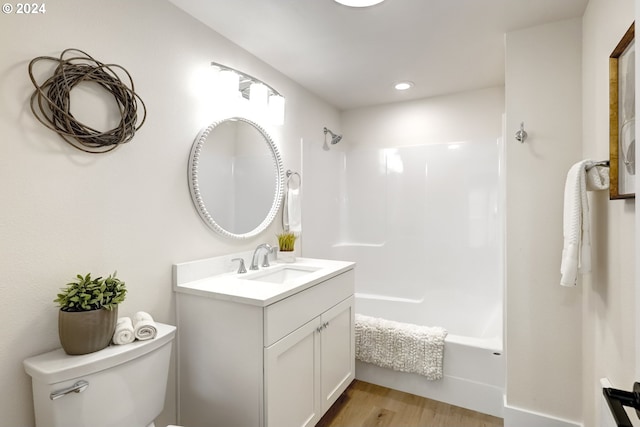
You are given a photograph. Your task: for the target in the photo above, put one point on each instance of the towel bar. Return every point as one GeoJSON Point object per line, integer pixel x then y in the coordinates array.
{"type": "Point", "coordinates": [604, 163]}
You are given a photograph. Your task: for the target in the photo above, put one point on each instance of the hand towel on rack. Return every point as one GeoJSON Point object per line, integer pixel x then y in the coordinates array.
{"type": "Point", "coordinates": [293, 210]}
{"type": "Point", "coordinates": [576, 252]}
{"type": "Point", "coordinates": [597, 177]}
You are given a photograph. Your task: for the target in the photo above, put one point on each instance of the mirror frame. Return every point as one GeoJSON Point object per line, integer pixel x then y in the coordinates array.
{"type": "Point", "coordinates": [194, 187]}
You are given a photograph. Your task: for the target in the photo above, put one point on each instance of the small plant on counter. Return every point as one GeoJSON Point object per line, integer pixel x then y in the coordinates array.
{"type": "Point", "coordinates": [286, 241]}
{"type": "Point", "coordinates": [86, 294]}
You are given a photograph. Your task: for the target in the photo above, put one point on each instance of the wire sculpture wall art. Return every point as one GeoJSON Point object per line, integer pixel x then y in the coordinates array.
{"type": "Point", "coordinates": [50, 102]}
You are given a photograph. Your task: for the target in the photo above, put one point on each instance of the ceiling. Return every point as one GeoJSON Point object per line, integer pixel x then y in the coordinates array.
{"type": "Point", "coordinates": [351, 57]}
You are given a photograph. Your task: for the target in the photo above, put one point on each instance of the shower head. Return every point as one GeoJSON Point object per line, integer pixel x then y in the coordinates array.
{"type": "Point", "coordinates": [334, 138]}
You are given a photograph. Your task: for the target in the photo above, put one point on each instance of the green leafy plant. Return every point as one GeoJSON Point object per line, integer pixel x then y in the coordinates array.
{"type": "Point", "coordinates": [286, 241]}
{"type": "Point", "coordinates": [85, 293]}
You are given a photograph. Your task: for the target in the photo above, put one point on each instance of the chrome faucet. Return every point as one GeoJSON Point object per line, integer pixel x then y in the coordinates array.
{"type": "Point", "coordinates": [265, 261]}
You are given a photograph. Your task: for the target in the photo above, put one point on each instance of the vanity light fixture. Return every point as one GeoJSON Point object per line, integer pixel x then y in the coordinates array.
{"type": "Point", "coordinates": [229, 82]}
{"type": "Point", "coordinates": [258, 94]}
{"type": "Point", "coordinates": [403, 85]}
{"type": "Point", "coordinates": [276, 109]}
{"type": "Point", "coordinates": [359, 3]}
{"type": "Point", "coordinates": [261, 96]}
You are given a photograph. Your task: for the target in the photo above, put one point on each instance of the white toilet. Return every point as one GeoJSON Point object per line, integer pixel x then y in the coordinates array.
{"type": "Point", "coordinates": [122, 385]}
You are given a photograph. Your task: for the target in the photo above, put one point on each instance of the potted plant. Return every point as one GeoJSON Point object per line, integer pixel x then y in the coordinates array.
{"type": "Point", "coordinates": [286, 244]}
{"type": "Point", "coordinates": [89, 312]}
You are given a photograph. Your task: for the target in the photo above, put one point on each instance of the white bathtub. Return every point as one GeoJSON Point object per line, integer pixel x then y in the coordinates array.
{"type": "Point", "coordinates": [473, 357]}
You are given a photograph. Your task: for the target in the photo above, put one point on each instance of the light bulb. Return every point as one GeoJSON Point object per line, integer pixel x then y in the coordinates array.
{"type": "Point", "coordinates": [403, 85]}
{"type": "Point", "coordinates": [276, 109]}
{"type": "Point", "coordinates": [359, 3]}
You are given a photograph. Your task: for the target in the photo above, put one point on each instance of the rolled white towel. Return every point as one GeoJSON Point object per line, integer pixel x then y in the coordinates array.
{"type": "Point", "coordinates": [124, 331]}
{"type": "Point", "coordinates": [143, 326]}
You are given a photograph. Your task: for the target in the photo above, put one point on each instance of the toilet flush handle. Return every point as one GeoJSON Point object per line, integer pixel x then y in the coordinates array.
{"type": "Point", "coordinates": [78, 387]}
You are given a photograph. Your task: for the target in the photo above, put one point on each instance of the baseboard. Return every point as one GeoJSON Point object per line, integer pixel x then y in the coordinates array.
{"type": "Point", "coordinates": [518, 417]}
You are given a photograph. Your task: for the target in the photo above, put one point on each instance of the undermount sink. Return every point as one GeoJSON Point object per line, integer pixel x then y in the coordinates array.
{"type": "Point", "coordinates": [282, 274]}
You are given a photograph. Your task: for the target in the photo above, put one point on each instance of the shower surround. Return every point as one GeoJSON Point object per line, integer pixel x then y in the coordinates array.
{"type": "Point", "coordinates": [425, 226]}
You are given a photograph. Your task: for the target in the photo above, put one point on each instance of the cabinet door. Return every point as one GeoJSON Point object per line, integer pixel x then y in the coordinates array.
{"type": "Point", "coordinates": [292, 378]}
{"type": "Point", "coordinates": [337, 351]}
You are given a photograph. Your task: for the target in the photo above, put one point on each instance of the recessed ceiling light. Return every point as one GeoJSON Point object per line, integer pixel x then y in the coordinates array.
{"type": "Point", "coordinates": [359, 3]}
{"type": "Point", "coordinates": [403, 85]}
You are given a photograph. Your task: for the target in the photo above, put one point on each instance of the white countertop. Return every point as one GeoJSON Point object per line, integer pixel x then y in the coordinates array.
{"type": "Point", "coordinates": [239, 288]}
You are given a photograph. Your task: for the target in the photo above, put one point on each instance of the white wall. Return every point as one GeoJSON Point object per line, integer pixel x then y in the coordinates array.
{"type": "Point", "coordinates": [66, 212]}
{"type": "Point", "coordinates": [609, 294]}
{"type": "Point", "coordinates": [544, 345]}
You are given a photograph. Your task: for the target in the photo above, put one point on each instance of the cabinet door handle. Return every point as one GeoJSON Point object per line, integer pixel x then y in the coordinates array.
{"type": "Point", "coordinates": [321, 327]}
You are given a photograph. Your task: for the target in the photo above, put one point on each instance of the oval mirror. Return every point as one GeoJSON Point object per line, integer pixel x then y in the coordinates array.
{"type": "Point", "coordinates": [236, 177]}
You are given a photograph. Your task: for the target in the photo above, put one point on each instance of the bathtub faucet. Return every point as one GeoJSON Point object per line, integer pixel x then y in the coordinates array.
{"type": "Point", "coordinates": [265, 261]}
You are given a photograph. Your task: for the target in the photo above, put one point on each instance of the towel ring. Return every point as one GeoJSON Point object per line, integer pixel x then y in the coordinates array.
{"type": "Point", "coordinates": [290, 174]}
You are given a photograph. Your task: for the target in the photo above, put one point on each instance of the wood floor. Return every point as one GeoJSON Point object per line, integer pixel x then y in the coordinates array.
{"type": "Point", "coordinates": [369, 405]}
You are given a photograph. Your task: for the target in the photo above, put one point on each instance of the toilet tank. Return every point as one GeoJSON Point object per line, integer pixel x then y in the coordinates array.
{"type": "Point", "coordinates": [126, 384]}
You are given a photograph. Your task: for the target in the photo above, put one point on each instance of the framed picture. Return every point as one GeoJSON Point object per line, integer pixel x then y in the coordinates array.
{"type": "Point", "coordinates": [622, 115]}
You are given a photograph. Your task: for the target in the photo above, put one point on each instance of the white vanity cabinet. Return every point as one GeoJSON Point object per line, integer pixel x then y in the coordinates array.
{"type": "Point", "coordinates": [282, 364]}
{"type": "Point", "coordinates": [308, 369]}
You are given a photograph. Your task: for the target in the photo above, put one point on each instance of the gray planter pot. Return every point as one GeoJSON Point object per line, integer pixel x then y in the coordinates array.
{"type": "Point", "coordinates": [83, 332]}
